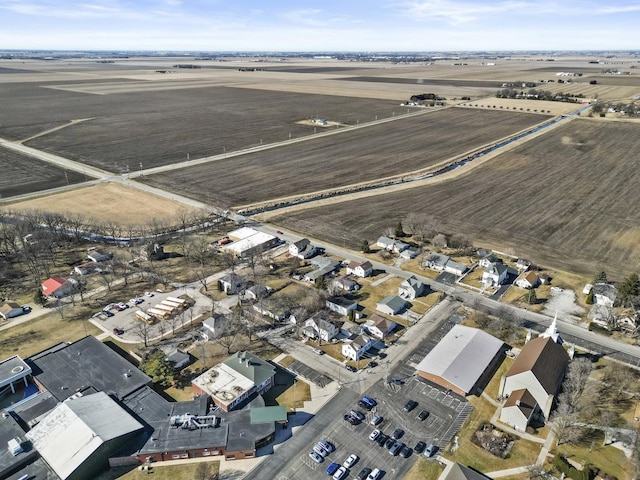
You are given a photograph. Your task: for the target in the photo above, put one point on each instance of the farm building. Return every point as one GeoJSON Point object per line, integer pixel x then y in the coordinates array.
{"type": "Point", "coordinates": [539, 370]}
{"type": "Point", "coordinates": [462, 360]}
{"type": "Point", "coordinates": [233, 382]}
{"type": "Point", "coordinates": [247, 242]}
{"type": "Point", "coordinates": [77, 437]}
{"type": "Point", "coordinates": [392, 305]}
{"type": "Point", "coordinates": [10, 309]}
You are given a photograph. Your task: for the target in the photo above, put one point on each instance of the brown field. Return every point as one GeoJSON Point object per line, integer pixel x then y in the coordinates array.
{"type": "Point", "coordinates": [356, 156]}
{"type": "Point", "coordinates": [23, 174]}
{"type": "Point", "coordinates": [566, 198]}
{"type": "Point", "coordinates": [108, 202]}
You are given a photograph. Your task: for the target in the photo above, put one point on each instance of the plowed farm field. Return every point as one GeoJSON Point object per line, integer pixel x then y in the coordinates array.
{"type": "Point", "coordinates": [349, 157]}
{"type": "Point", "coordinates": [21, 174]}
{"type": "Point", "coordinates": [159, 127]}
{"type": "Point", "coordinates": [568, 198]}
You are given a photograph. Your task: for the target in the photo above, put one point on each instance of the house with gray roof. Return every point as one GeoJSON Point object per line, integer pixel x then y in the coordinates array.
{"type": "Point", "coordinates": [443, 263]}
{"type": "Point", "coordinates": [462, 472]}
{"type": "Point", "coordinates": [385, 243]}
{"type": "Point", "coordinates": [341, 305]}
{"type": "Point", "coordinates": [214, 326]}
{"type": "Point", "coordinates": [494, 275]}
{"type": "Point", "coordinates": [604, 294]}
{"type": "Point", "coordinates": [232, 283]}
{"type": "Point", "coordinates": [411, 288]}
{"type": "Point", "coordinates": [392, 305]}
{"type": "Point", "coordinates": [355, 348]}
{"type": "Point", "coordinates": [325, 266]}
{"type": "Point", "coordinates": [321, 326]}
{"type": "Point", "coordinates": [346, 283]}
{"type": "Point", "coordinates": [302, 249]}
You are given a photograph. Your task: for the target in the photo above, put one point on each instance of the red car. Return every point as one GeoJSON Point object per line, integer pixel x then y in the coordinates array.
{"type": "Point", "coordinates": [118, 331]}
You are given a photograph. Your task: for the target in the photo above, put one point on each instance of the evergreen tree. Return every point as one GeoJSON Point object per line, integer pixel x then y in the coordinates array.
{"type": "Point", "coordinates": [629, 290]}
{"type": "Point", "coordinates": [589, 299]}
{"type": "Point", "coordinates": [364, 246]}
{"type": "Point", "coordinates": [533, 298]}
{"type": "Point", "coordinates": [159, 369]}
{"type": "Point", "coordinates": [601, 277]}
{"type": "Point", "coordinates": [399, 231]}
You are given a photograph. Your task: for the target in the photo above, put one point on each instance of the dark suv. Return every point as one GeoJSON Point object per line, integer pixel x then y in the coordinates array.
{"type": "Point", "coordinates": [410, 405]}
{"type": "Point", "coordinates": [423, 415]}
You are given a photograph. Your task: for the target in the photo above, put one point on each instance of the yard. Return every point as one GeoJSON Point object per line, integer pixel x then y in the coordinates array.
{"type": "Point", "coordinates": [184, 471]}
{"type": "Point", "coordinates": [578, 225]}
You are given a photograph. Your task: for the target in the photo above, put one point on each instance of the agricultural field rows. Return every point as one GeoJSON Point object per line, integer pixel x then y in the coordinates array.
{"type": "Point", "coordinates": [154, 128]}
{"type": "Point", "coordinates": [359, 155]}
{"type": "Point", "coordinates": [567, 198]}
{"type": "Point", "coordinates": [22, 174]}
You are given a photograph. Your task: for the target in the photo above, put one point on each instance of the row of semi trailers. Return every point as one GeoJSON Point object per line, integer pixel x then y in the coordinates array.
{"type": "Point", "coordinates": [163, 310]}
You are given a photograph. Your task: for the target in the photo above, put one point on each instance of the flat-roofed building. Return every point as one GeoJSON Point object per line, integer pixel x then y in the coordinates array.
{"type": "Point", "coordinates": [462, 360]}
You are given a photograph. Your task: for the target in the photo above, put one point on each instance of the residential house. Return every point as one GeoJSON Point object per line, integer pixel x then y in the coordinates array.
{"type": "Point", "coordinates": [59, 287]}
{"type": "Point", "coordinates": [236, 380]}
{"type": "Point", "coordinates": [440, 262]}
{"type": "Point", "coordinates": [325, 265]}
{"type": "Point", "coordinates": [98, 256]}
{"type": "Point", "coordinates": [391, 305]}
{"type": "Point", "coordinates": [545, 278]}
{"type": "Point", "coordinates": [379, 326]}
{"type": "Point", "coordinates": [214, 326]}
{"type": "Point", "coordinates": [342, 305]}
{"type": "Point", "coordinates": [86, 268]}
{"type": "Point", "coordinates": [346, 283]}
{"type": "Point", "coordinates": [232, 283]}
{"type": "Point", "coordinates": [10, 309]}
{"type": "Point", "coordinates": [489, 259]}
{"type": "Point", "coordinates": [399, 246]}
{"type": "Point", "coordinates": [527, 279]}
{"type": "Point", "coordinates": [302, 249]}
{"type": "Point", "coordinates": [355, 348]}
{"type": "Point", "coordinates": [523, 264]}
{"type": "Point", "coordinates": [411, 288]}
{"type": "Point", "coordinates": [360, 269]}
{"type": "Point", "coordinates": [271, 309]}
{"type": "Point", "coordinates": [385, 243]}
{"type": "Point", "coordinates": [257, 292]}
{"type": "Point", "coordinates": [604, 294]}
{"type": "Point", "coordinates": [177, 358]}
{"type": "Point", "coordinates": [319, 326]}
{"type": "Point", "coordinates": [494, 275]}
{"type": "Point", "coordinates": [587, 289]}
{"type": "Point", "coordinates": [410, 253]}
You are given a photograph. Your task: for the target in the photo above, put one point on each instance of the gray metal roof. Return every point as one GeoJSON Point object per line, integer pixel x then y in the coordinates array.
{"type": "Point", "coordinates": [67, 368]}
{"type": "Point", "coordinates": [394, 302]}
{"type": "Point", "coordinates": [250, 366]}
{"type": "Point", "coordinates": [462, 356]}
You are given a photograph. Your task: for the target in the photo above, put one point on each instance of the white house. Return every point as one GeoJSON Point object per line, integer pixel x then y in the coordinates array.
{"type": "Point", "coordinates": [410, 253]}
{"type": "Point", "coordinates": [341, 305]}
{"type": "Point", "coordinates": [379, 326]}
{"type": "Point", "coordinates": [346, 283]}
{"type": "Point", "coordinates": [440, 262]}
{"type": "Point", "coordinates": [271, 309]}
{"type": "Point", "coordinates": [399, 246]}
{"type": "Point", "coordinates": [604, 294]}
{"type": "Point", "coordinates": [318, 327]}
{"type": "Point", "coordinates": [494, 275]}
{"type": "Point", "coordinates": [360, 269]}
{"type": "Point", "coordinates": [86, 268]}
{"type": "Point", "coordinates": [214, 326]}
{"type": "Point", "coordinates": [487, 260]}
{"type": "Point", "coordinates": [98, 256]}
{"type": "Point", "coordinates": [527, 279]}
{"type": "Point", "coordinates": [411, 288]}
{"type": "Point", "coordinates": [391, 305]}
{"type": "Point", "coordinates": [232, 283]}
{"type": "Point", "coordinates": [256, 292]}
{"type": "Point", "coordinates": [302, 249]}
{"type": "Point", "coordinates": [355, 348]}
{"type": "Point", "coordinates": [385, 243]}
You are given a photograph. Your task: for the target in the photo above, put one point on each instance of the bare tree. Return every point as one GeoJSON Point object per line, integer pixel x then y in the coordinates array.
{"type": "Point", "coordinates": [563, 425]}
{"type": "Point", "coordinates": [440, 240]}
{"type": "Point", "coordinates": [142, 331]}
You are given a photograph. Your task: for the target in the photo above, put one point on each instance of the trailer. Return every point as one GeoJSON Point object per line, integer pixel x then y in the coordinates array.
{"type": "Point", "coordinates": [160, 314]}
{"type": "Point", "coordinates": [145, 317]}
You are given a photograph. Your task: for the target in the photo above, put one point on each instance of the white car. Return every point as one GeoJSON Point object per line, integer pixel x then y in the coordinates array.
{"type": "Point", "coordinates": [375, 434]}
{"type": "Point", "coordinates": [350, 461]}
{"type": "Point", "coordinates": [318, 351]}
{"type": "Point", "coordinates": [340, 473]}
{"type": "Point", "coordinates": [148, 294]}
{"type": "Point", "coordinates": [556, 289]}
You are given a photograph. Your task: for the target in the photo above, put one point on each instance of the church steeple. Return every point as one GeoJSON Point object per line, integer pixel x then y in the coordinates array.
{"type": "Point", "coordinates": [552, 331]}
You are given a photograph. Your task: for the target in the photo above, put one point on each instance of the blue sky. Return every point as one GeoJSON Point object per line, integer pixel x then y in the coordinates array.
{"type": "Point", "coordinates": [329, 25]}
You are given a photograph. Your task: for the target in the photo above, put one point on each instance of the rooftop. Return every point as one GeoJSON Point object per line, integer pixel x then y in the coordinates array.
{"type": "Point", "coordinates": [13, 369]}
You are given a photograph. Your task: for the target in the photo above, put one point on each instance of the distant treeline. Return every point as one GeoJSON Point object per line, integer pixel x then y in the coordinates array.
{"type": "Point", "coordinates": [535, 94]}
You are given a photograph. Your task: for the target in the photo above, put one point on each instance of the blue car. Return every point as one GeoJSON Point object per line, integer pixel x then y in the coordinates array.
{"type": "Point", "coordinates": [331, 469]}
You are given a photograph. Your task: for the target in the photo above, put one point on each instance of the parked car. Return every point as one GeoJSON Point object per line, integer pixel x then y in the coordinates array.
{"type": "Point", "coordinates": [331, 469]}
{"type": "Point", "coordinates": [430, 450]}
{"type": "Point", "coordinates": [340, 473]}
{"type": "Point", "coordinates": [419, 448]}
{"type": "Point", "coordinates": [315, 457]}
{"type": "Point", "coordinates": [318, 351]}
{"type": "Point", "coordinates": [148, 294]}
{"type": "Point", "coordinates": [422, 416]}
{"type": "Point", "coordinates": [376, 420]}
{"type": "Point", "coordinates": [375, 474]}
{"type": "Point", "coordinates": [395, 448]}
{"type": "Point", "coordinates": [410, 405]}
{"type": "Point", "coordinates": [389, 443]}
{"type": "Point", "coordinates": [397, 433]}
{"type": "Point", "coordinates": [328, 446]}
{"type": "Point", "coordinates": [108, 313]}
{"type": "Point", "coordinates": [405, 451]}
{"type": "Point", "coordinates": [26, 308]}
{"type": "Point", "coordinates": [382, 439]}
{"type": "Point", "coordinates": [358, 414]}
{"type": "Point", "coordinates": [278, 232]}
{"type": "Point", "coordinates": [364, 473]}
{"type": "Point", "coordinates": [375, 434]}
{"type": "Point", "coordinates": [396, 381]}
{"type": "Point", "coordinates": [118, 331]}
{"type": "Point", "coordinates": [320, 451]}
{"type": "Point", "coordinates": [350, 368]}
{"type": "Point", "coordinates": [367, 402]}
{"type": "Point", "coordinates": [372, 364]}
{"type": "Point", "coordinates": [123, 306]}
{"type": "Point", "coordinates": [351, 461]}
{"type": "Point", "coordinates": [351, 419]}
